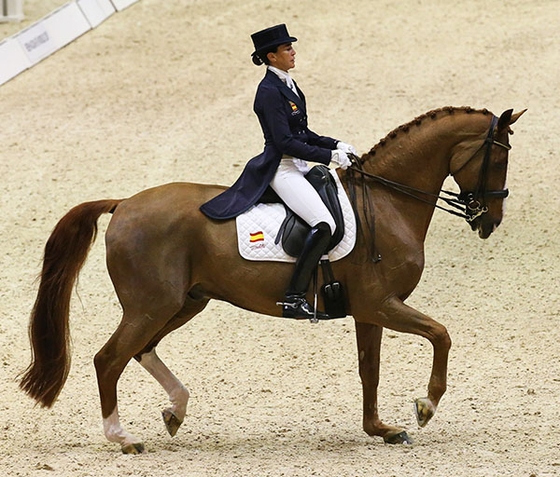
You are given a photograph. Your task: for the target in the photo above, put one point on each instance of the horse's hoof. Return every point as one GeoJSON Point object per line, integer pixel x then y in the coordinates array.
{"type": "Point", "coordinates": [172, 423]}
{"type": "Point", "coordinates": [136, 448]}
{"type": "Point", "coordinates": [424, 411]}
{"type": "Point", "coordinates": [399, 438]}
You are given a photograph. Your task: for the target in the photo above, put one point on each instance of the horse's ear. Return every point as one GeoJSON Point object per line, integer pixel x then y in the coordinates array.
{"type": "Point", "coordinates": [507, 118]}
{"type": "Point", "coordinates": [516, 116]}
{"type": "Point", "coordinates": [503, 122]}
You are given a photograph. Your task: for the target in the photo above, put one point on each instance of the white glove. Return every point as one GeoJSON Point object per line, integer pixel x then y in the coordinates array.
{"type": "Point", "coordinates": [347, 148]}
{"type": "Point", "coordinates": [339, 157]}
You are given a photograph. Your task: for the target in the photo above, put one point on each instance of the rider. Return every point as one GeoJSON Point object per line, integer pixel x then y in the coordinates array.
{"type": "Point", "coordinates": [281, 109]}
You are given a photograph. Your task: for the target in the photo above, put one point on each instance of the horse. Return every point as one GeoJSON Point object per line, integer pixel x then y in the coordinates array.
{"type": "Point", "coordinates": [167, 260]}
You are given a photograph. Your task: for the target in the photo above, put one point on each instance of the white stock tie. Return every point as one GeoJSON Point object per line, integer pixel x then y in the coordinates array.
{"type": "Point", "coordinates": [290, 83]}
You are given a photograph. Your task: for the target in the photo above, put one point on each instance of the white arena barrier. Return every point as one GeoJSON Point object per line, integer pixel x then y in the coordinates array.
{"type": "Point", "coordinates": [11, 10]}
{"type": "Point", "coordinates": [53, 32]}
{"type": "Point", "coordinates": [12, 59]}
{"type": "Point", "coordinates": [96, 11]}
{"type": "Point", "coordinates": [122, 4]}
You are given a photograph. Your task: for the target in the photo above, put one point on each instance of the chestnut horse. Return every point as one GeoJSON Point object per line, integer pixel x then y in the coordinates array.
{"type": "Point", "coordinates": [167, 261]}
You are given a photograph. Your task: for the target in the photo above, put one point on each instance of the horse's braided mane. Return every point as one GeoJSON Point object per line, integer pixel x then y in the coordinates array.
{"type": "Point", "coordinates": [433, 114]}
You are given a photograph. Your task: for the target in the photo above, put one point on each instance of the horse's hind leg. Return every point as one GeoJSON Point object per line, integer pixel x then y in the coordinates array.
{"type": "Point", "coordinates": [174, 415]}
{"type": "Point", "coordinates": [130, 338]}
{"type": "Point", "coordinates": [136, 333]}
{"type": "Point", "coordinates": [178, 394]}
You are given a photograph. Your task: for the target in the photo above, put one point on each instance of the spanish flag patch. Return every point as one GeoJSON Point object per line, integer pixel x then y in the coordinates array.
{"type": "Point", "coordinates": [294, 106]}
{"type": "Point", "coordinates": [256, 236]}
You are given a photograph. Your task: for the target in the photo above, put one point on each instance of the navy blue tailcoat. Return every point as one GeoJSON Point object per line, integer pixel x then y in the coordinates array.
{"type": "Point", "coordinates": [283, 119]}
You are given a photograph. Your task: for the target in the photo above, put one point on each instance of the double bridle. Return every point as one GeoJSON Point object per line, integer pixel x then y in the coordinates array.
{"type": "Point", "coordinates": [472, 204]}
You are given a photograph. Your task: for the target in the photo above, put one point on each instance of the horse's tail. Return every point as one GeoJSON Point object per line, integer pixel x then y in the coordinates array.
{"type": "Point", "coordinates": [65, 253]}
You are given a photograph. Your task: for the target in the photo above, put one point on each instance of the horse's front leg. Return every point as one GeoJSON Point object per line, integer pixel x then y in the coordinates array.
{"type": "Point", "coordinates": [397, 316]}
{"type": "Point", "coordinates": [369, 350]}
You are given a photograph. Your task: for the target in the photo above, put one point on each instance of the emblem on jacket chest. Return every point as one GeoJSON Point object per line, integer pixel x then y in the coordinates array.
{"type": "Point", "coordinates": [295, 109]}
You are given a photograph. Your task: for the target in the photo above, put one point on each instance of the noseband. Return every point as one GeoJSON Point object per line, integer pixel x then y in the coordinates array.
{"type": "Point", "coordinates": [471, 204]}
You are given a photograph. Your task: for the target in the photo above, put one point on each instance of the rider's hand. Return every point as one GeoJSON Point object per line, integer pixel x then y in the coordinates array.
{"type": "Point", "coordinates": [347, 148]}
{"type": "Point", "coordinates": [341, 158]}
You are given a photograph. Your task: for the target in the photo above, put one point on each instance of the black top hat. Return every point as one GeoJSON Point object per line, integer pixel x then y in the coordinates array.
{"type": "Point", "coordinates": [270, 37]}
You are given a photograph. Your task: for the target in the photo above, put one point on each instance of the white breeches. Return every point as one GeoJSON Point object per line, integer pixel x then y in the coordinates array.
{"type": "Point", "coordinates": [298, 194]}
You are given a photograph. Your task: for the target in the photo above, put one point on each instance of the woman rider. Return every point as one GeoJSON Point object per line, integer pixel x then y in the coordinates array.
{"type": "Point", "coordinates": [289, 143]}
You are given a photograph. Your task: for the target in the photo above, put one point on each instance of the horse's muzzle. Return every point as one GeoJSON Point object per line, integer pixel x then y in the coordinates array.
{"type": "Point", "coordinates": [485, 226]}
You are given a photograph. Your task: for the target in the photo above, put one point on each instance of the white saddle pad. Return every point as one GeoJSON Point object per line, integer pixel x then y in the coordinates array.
{"type": "Point", "coordinates": [258, 227]}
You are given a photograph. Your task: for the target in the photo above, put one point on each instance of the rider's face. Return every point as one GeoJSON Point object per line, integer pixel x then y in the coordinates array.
{"type": "Point", "coordinates": [283, 58]}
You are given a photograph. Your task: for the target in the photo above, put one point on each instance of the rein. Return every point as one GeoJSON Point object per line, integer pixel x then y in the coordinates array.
{"type": "Point", "coordinates": [456, 201]}
{"type": "Point", "coordinates": [470, 204]}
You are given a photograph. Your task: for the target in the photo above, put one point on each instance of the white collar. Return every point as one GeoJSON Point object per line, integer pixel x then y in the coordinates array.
{"type": "Point", "coordinates": [283, 75]}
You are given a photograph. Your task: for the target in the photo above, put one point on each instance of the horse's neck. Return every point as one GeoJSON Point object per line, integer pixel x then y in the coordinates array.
{"type": "Point", "coordinates": [417, 159]}
{"type": "Point", "coordinates": [418, 156]}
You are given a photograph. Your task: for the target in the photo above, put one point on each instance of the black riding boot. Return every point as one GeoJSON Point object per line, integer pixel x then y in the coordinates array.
{"type": "Point", "coordinates": [295, 304]}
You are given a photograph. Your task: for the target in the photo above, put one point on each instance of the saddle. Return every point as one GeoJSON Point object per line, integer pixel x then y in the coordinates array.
{"type": "Point", "coordinates": [294, 230]}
